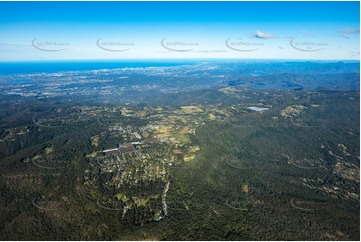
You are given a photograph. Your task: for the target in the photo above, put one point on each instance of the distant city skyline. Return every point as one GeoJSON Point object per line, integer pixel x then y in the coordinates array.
{"type": "Point", "coordinates": [179, 30]}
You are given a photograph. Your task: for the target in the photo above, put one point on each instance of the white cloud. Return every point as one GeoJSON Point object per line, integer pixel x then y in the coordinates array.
{"type": "Point", "coordinates": [346, 33]}
{"type": "Point", "coordinates": [262, 35]}
{"type": "Point", "coordinates": [351, 31]}
{"type": "Point", "coordinates": [210, 51]}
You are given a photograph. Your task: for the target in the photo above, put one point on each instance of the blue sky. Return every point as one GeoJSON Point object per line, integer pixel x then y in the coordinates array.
{"type": "Point", "coordinates": [133, 30]}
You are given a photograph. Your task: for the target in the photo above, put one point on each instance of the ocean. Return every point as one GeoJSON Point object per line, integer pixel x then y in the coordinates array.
{"type": "Point", "coordinates": [31, 67]}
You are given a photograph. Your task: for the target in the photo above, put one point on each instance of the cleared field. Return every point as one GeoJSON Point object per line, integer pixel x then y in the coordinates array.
{"type": "Point", "coordinates": [191, 109]}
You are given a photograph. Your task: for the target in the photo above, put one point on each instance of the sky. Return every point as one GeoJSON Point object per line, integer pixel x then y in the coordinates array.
{"type": "Point", "coordinates": [179, 30]}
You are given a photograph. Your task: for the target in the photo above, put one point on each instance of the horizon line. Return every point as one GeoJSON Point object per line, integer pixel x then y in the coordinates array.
{"type": "Point", "coordinates": [177, 59]}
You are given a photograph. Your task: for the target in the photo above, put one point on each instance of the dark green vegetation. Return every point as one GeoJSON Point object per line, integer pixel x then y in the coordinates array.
{"type": "Point", "coordinates": [290, 173]}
